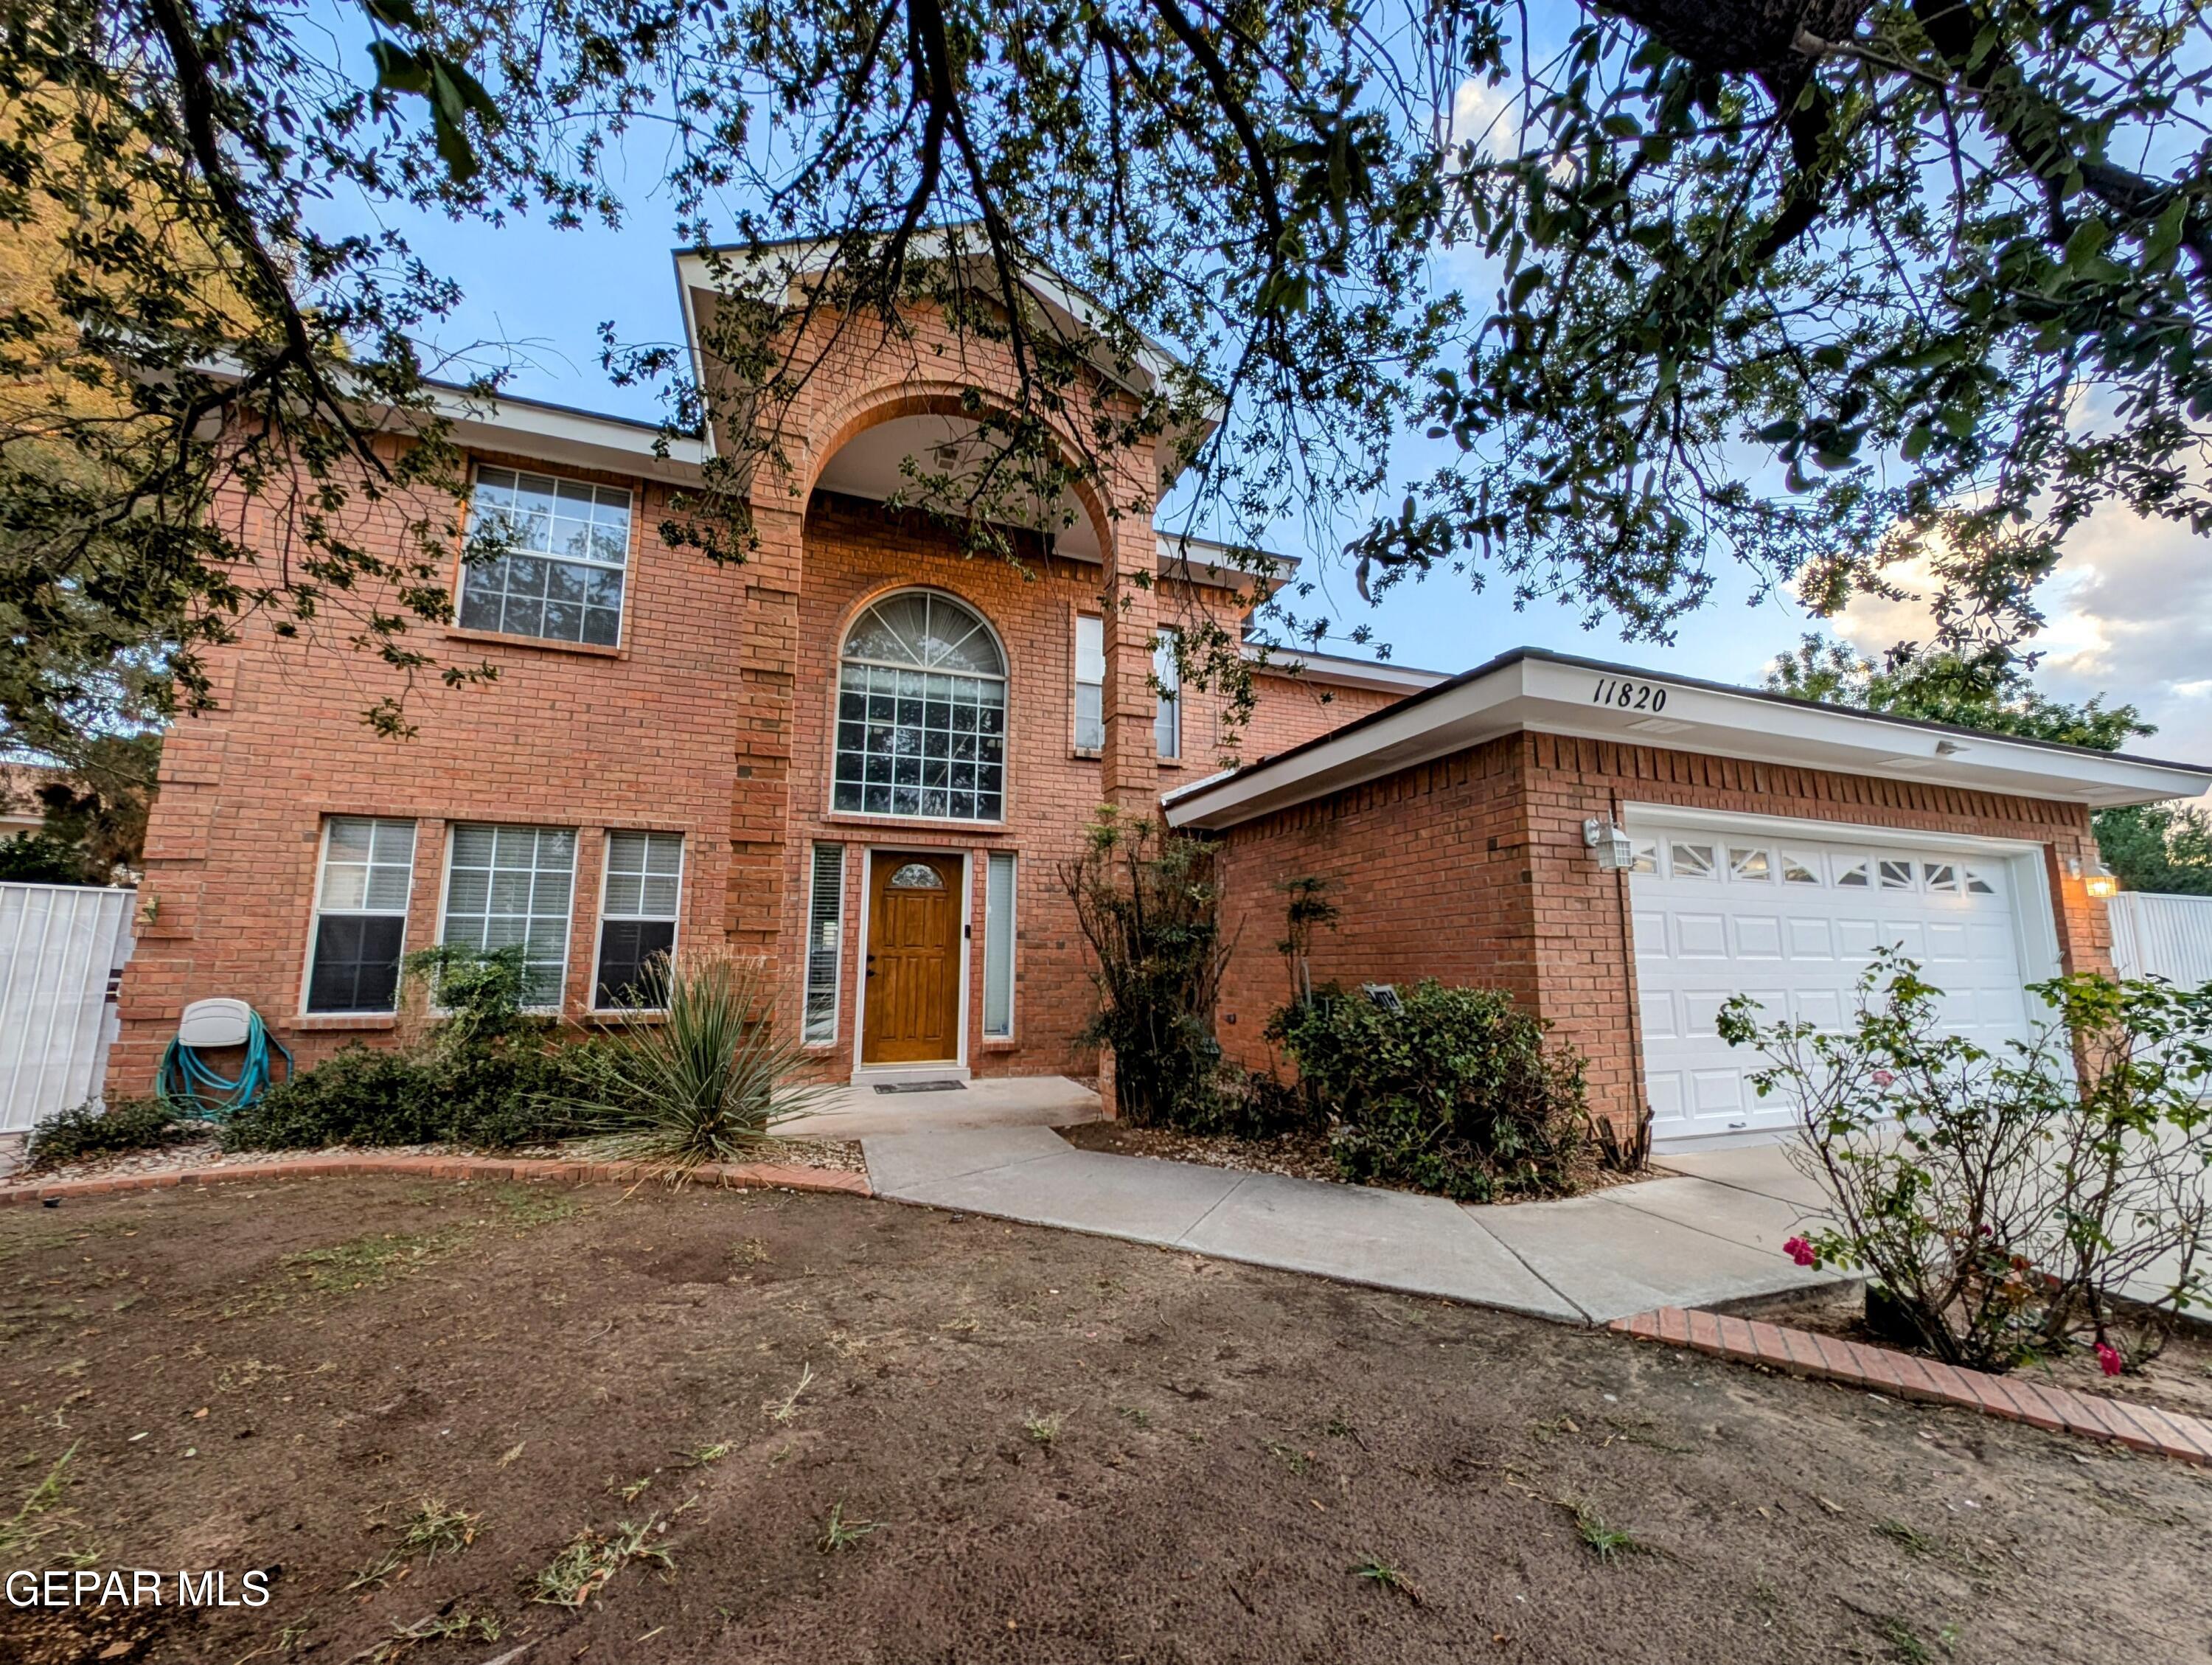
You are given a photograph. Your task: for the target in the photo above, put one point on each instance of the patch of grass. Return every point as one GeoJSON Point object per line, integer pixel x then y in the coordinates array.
{"type": "Point", "coordinates": [841, 1533]}
{"type": "Point", "coordinates": [1136, 1415]}
{"type": "Point", "coordinates": [1904, 1644]}
{"type": "Point", "coordinates": [700, 1456]}
{"type": "Point", "coordinates": [1298, 1463]}
{"type": "Point", "coordinates": [1377, 1570]}
{"type": "Point", "coordinates": [783, 1410]}
{"type": "Point", "coordinates": [462, 1626]}
{"type": "Point", "coordinates": [40, 1518]}
{"type": "Point", "coordinates": [631, 1492]}
{"type": "Point", "coordinates": [377, 1573]}
{"type": "Point", "coordinates": [533, 1205]}
{"type": "Point", "coordinates": [1608, 1543]}
{"type": "Point", "coordinates": [1337, 1428]}
{"type": "Point", "coordinates": [590, 1560]}
{"type": "Point", "coordinates": [434, 1530]}
{"type": "Point", "coordinates": [1908, 1537]}
{"type": "Point", "coordinates": [1042, 1429]}
{"type": "Point", "coordinates": [368, 1262]}
{"type": "Point", "coordinates": [750, 1252]}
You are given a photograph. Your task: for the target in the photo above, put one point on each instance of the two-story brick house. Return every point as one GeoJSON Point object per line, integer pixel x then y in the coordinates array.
{"type": "Point", "coordinates": [864, 757]}
{"type": "Point", "coordinates": [858, 753]}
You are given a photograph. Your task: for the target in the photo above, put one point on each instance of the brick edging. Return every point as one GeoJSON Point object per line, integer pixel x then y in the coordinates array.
{"type": "Point", "coordinates": [530, 1169]}
{"type": "Point", "coordinates": [1830, 1358]}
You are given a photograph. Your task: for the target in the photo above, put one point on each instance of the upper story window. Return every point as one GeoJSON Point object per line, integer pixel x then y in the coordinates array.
{"type": "Point", "coordinates": [921, 712]}
{"type": "Point", "coordinates": [565, 544]}
{"type": "Point", "coordinates": [1090, 689]}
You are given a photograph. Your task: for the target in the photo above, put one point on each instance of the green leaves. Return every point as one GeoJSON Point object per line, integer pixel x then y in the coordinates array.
{"type": "Point", "coordinates": [454, 93]}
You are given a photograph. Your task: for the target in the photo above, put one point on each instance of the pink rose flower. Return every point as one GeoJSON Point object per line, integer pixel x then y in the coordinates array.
{"type": "Point", "coordinates": [1802, 1252]}
{"type": "Point", "coordinates": [2108, 1359]}
{"type": "Point", "coordinates": [1883, 1077]}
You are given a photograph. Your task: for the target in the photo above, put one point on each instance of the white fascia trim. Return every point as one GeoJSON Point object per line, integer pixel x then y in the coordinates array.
{"type": "Point", "coordinates": [531, 427]}
{"type": "Point", "coordinates": [558, 435]}
{"type": "Point", "coordinates": [1344, 673]}
{"type": "Point", "coordinates": [1541, 694]}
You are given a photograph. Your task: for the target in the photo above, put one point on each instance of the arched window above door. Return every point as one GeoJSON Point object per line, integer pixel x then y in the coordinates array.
{"type": "Point", "coordinates": [921, 712]}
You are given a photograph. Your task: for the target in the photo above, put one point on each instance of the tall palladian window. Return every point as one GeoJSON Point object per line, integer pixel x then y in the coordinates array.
{"type": "Point", "coordinates": [921, 712]}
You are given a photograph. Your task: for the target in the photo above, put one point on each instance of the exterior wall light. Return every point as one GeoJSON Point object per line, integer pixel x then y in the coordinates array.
{"type": "Point", "coordinates": [1612, 846]}
{"type": "Point", "coordinates": [2100, 884]}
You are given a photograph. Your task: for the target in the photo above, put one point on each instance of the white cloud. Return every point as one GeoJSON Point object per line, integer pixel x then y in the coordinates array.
{"type": "Point", "coordinates": [2130, 612]}
{"type": "Point", "coordinates": [1485, 116]}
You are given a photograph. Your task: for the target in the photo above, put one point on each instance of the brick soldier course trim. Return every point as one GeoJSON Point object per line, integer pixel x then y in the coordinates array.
{"type": "Point", "coordinates": [1855, 1365]}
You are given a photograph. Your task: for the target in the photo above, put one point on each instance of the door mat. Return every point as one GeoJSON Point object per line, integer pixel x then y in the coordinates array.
{"type": "Point", "coordinates": [922, 1086]}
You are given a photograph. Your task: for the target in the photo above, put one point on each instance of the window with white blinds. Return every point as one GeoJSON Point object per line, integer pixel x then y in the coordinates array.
{"type": "Point", "coordinates": [826, 935]}
{"type": "Point", "coordinates": [361, 914]}
{"type": "Point", "coordinates": [637, 919]}
{"type": "Point", "coordinates": [510, 886]}
{"type": "Point", "coordinates": [998, 947]}
{"type": "Point", "coordinates": [1167, 722]}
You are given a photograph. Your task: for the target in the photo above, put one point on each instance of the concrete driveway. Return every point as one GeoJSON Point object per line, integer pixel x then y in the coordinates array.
{"type": "Point", "coordinates": [1685, 1239]}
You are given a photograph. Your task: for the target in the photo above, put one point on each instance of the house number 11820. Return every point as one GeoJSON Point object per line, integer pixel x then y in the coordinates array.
{"type": "Point", "coordinates": [1627, 695]}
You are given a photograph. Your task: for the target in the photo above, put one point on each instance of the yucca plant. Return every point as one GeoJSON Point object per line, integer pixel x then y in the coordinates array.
{"type": "Point", "coordinates": [704, 1080]}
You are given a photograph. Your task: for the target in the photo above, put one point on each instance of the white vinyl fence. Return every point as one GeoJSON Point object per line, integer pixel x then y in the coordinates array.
{"type": "Point", "coordinates": [2161, 936]}
{"type": "Point", "coordinates": [62, 952]}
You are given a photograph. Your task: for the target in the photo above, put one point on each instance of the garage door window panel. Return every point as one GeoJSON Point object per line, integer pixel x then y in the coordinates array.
{"type": "Point", "coordinates": [1750, 863]}
{"type": "Point", "coordinates": [1689, 860]}
{"type": "Point", "coordinates": [1799, 869]}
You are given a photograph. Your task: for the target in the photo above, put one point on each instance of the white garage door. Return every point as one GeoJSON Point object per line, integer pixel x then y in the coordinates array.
{"type": "Point", "coordinates": [1793, 923]}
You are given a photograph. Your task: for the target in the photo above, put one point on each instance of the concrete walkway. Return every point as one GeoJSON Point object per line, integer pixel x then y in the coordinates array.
{"type": "Point", "coordinates": [1684, 1240]}
{"type": "Point", "coordinates": [860, 1110]}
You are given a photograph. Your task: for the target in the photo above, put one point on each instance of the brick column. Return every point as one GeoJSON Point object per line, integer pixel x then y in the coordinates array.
{"type": "Point", "coordinates": [760, 802]}
{"type": "Point", "coordinates": [1130, 780]}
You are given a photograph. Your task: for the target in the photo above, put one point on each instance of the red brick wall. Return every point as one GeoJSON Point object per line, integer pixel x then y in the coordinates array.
{"type": "Point", "coordinates": [677, 731]}
{"type": "Point", "coordinates": [1473, 869]}
{"type": "Point", "coordinates": [1294, 709]}
{"type": "Point", "coordinates": [856, 554]}
{"type": "Point", "coordinates": [641, 737]}
{"type": "Point", "coordinates": [1430, 866]}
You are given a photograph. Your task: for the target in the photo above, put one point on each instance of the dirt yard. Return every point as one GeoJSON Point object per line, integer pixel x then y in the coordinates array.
{"type": "Point", "coordinates": [774, 1427]}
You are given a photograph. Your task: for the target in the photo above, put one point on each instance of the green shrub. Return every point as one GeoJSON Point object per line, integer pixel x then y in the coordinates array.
{"type": "Point", "coordinates": [1145, 901]}
{"type": "Point", "coordinates": [702, 1080]}
{"type": "Point", "coordinates": [130, 1124]}
{"type": "Point", "coordinates": [486, 1077]}
{"type": "Point", "coordinates": [2007, 1204]}
{"type": "Point", "coordinates": [1454, 1091]}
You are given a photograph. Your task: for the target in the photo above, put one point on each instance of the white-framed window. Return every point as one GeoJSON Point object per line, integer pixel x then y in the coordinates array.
{"type": "Point", "coordinates": [1167, 721]}
{"type": "Point", "coordinates": [361, 914]}
{"type": "Point", "coordinates": [1090, 689]}
{"type": "Point", "coordinates": [1854, 875]}
{"type": "Point", "coordinates": [825, 943]}
{"type": "Point", "coordinates": [638, 903]}
{"type": "Point", "coordinates": [510, 885]}
{"type": "Point", "coordinates": [1800, 868]}
{"type": "Point", "coordinates": [1090, 684]}
{"type": "Point", "coordinates": [1750, 862]}
{"type": "Point", "coordinates": [1896, 875]}
{"type": "Point", "coordinates": [1645, 859]}
{"type": "Point", "coordinates": [999, 946]}
{"type": "Point", "coordinates": [921, 712]}
{"type": "Point", "coordinates": [564, 550]}
{"type": "Point", "coordinates": [1685, 860]}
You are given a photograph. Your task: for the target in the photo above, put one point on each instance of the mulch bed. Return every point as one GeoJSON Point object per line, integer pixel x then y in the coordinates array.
{"type": "Point", "coordinates": [1300, 1155]}
{"type": "Point", "coordinates": [1052, 1448]}
{"type": "Point", "coordinates": [2178, 1379]}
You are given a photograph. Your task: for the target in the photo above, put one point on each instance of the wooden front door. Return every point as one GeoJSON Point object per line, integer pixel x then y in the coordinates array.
{"type": "Point", "coordinates": [913, 1004]}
